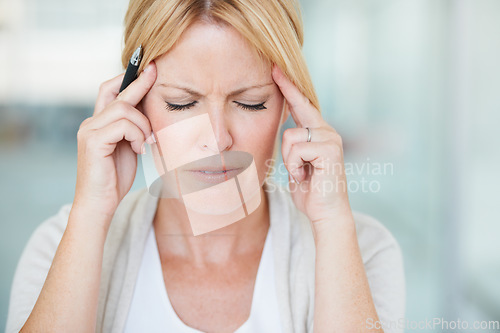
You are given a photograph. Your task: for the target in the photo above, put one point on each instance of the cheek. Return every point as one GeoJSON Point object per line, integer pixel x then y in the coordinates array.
{"type": "Point", "coordinates": [270, 125]}
{"type": "Point", "coordinates": [262, 139]}
{"type": "Point", "coordinates": [257, 134]}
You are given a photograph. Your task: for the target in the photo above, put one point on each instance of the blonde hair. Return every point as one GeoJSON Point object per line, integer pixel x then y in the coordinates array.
{"type": "Point", "coordinates": [273, 27]}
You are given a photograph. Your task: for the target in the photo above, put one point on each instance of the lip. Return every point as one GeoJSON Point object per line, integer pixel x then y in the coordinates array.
{"type": "Point", "coordinates": [214, 178]}
{"type": "Point", "coordinates": [213, 168]}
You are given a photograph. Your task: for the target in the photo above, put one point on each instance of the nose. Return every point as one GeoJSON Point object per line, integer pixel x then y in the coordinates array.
{"type": "Point", "coordinates": [220, 131]}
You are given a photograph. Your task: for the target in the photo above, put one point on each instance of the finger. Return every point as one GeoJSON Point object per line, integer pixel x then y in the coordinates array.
{"type": "Point", "coordinates": [326, 155]}
{"type": "Point", "coordinates": [299, 134]}
{"type": "Point", "coordinates": [121, 110]}
{"type": "Point", "coordinates": [135, 92]}
{"type": "Point", "coordinates": [122, 129]}
{"type": "Point", "coordinates": [303, 112]}
{"type": "Point", "coordinates": [108, 92]}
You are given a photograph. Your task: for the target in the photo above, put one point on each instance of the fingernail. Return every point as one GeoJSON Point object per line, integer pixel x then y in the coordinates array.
{"type": "Point", "coordinates": [143, 150]}
{"type": "Point", "coordinates": [148, 67]}
{"type": "Point", "coordinates": [151, 139]}
{"type": "Point", "coordinates": [294, 171]}
{"type": "Point", "coordinates": [293, 179]}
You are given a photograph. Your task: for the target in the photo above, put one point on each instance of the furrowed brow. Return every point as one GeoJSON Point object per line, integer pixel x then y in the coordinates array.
{"type": "Point", "coordinates": [198, 94]}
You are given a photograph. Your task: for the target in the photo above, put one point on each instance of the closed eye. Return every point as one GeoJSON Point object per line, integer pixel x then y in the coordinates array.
{"type": "Point", "coordinates": [254, 107]}
{"type": "Point", "coordinates": [179, 107]}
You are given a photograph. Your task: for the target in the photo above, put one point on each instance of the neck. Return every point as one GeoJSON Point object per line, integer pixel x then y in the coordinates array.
{"type": "Point", "coordinates": [175, 238]}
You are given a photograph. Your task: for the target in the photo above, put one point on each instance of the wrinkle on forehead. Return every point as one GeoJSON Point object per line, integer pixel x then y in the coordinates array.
{"type": "Point", "coordinates": [213, 58]}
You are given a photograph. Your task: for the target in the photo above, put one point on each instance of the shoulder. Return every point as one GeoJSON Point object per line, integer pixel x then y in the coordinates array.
{"type": "Point", "coordinates": [379, 250]}
{"type": "Point", "coordinates": [50, 231]}
{"type": "Point", "coordinates": [373, 236]}
{"type": "Point", "coordinates": [33, 266]}
{"type": "Point", "coordinates": [384, 266]}
{"type": "Point", "coordinates": [46, 236]}
{"type": "Point", "coordinates": [381, 254]}
{"type": "Point", "coordinates": [35, 261]}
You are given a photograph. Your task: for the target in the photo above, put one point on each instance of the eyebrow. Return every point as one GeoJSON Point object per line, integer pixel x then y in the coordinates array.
{"type": "Point", "coordinates": [195, 93]}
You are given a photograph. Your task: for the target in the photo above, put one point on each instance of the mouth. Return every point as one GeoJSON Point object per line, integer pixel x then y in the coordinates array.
{"type": "Point", "coordinates": [209, 170]}
{"type": "Point", "coordinates": [215, 169]}
{"type": "Point", "coordinates": [215, 175]}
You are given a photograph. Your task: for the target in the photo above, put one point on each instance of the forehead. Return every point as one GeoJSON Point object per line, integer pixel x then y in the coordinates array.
{"type": "Point", "coordinates": [209, 53]}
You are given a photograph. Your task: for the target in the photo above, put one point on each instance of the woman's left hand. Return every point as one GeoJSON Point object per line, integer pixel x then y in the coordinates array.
{"type": "Point", "coordinates": [318, 165]}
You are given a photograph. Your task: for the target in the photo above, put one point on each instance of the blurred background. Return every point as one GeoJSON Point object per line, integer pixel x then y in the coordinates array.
{"type": "Point", "coordinates": [413, 87]}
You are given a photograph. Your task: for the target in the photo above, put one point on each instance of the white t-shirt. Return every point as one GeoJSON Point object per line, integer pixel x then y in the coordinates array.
{"type": "Point", "coordinates": [151, 310]}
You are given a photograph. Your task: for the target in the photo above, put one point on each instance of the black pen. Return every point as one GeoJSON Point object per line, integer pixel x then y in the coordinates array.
{"type": "Point", "coordinates": [133, 66]}
{"type": "Point", "coordinates": [130, 76]}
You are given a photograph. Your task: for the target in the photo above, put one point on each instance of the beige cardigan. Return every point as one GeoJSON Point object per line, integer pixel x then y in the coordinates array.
{"type": "Point", "coordinates": [294, 254]}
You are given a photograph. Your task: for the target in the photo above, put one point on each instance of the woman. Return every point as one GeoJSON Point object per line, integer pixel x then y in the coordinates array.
{"type": "Point", "coordinates": [92, 266]}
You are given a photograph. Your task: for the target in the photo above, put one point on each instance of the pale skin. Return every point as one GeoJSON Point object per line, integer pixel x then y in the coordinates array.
{"type": "Point", "coordinates": [210, 278]}
{"type": "Point", "coordinates": [221, 265]}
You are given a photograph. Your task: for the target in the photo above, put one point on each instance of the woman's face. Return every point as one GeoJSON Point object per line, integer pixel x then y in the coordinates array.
{"type": "Point", "coordinates": [218, 94]}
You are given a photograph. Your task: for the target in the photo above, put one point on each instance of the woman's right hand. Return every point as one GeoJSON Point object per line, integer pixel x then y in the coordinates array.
{"type": "Point", "coordinates": [108, 143]}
